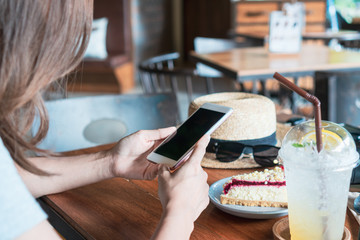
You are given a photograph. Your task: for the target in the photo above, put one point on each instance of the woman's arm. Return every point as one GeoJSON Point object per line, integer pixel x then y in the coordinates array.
{"type": "Point", "coordinates": [126, 159]}
{"type": "Point", "coordinates": [183, 195]}
{"type": "Point", "coordinates": [67, 172]}
{"type": "Point", "coordinates": [41, 231]}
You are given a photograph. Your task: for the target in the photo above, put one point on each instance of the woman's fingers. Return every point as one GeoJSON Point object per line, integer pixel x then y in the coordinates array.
{"type": "Point", "coordinates": [161, 133]}
{"type": "Point", "coordinates": [199, 150]}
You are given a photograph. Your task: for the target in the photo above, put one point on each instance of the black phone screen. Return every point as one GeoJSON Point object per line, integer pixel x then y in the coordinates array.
{"type": "Point", "coordinates": [189, 133]}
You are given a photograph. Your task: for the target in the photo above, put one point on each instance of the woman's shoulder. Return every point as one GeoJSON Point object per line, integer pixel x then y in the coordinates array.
{"type": "Point", "coordinates": [7, 165]}
{"type": "Point", "coordinates": [5, 157]}
{"type": "Point", "coordinates": [19, 210]}
{"type": "Point", "coordinates": [10, 178]}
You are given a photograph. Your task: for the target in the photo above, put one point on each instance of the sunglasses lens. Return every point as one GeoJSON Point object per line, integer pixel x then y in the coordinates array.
{"type": "Point", "coordinates": [266, 155]}
{"type": "Point", "coordinates": [228, 152]}
{"type": "Point", "coordinates": [227, 157]}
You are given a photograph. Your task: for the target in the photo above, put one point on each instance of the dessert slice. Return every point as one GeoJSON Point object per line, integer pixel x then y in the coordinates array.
{"type": "Point", "coordinates": [263, 189]}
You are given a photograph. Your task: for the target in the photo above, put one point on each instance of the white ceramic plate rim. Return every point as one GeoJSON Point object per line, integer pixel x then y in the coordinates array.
{"type": "Point", "coordinates": [242, 211]}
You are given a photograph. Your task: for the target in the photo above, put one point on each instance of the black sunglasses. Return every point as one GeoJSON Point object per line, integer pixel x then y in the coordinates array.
{"type": "Point", "coordinates": [264, 155]}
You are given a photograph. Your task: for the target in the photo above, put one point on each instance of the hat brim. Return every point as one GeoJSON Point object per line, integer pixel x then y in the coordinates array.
{"type": "Point", "coordinates": [209, 160]}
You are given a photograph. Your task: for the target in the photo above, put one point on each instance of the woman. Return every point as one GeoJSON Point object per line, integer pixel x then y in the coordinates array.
{"type": "Point", "coordinates": [42, 41]}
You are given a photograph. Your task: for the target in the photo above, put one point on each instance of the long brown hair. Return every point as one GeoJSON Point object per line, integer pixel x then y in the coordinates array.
{"type": "Point", "coordinates": [41, 41]}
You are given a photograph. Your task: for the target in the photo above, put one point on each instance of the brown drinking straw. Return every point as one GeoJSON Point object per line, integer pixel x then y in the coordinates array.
{"type": "Point", "coordinates": [311, 98]}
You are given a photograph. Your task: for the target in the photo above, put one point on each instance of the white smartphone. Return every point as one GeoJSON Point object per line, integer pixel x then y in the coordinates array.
{"type": "Point", "coordinates": [177, 147]}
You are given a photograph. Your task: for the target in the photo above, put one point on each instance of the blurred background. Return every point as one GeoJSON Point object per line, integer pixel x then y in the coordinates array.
{"type": "Point", "coordinates": [134, 40]}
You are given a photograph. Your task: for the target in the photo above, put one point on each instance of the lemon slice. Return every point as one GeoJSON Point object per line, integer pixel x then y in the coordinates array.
{"type": "Point", "coordinates": [330, 139]}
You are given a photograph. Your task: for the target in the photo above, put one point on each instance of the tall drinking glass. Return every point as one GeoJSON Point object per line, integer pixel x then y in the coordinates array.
{"type": "Point", "coordinates": [318, 182]}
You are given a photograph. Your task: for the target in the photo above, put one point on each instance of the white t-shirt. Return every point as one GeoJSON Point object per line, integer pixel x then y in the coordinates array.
{"type": "Point", "coordinates": [19, 211]}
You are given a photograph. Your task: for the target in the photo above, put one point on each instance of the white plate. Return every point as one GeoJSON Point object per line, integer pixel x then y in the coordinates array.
{"type": "Point", "coordinates": [216, 190]}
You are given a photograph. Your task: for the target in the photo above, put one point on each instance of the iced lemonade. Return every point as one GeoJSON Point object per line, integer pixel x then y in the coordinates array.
{"type": "Point", "coordinates": [318, 183]}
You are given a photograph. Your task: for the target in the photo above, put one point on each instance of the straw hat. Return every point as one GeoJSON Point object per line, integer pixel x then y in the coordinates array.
{"type": "Point", "coordinates": [252, 122]}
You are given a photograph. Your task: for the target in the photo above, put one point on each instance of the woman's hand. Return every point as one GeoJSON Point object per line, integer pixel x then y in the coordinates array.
{"type": "Point", "coordinates": [183, 195]}
{"type": "Point", "coordinates": [129, 154]}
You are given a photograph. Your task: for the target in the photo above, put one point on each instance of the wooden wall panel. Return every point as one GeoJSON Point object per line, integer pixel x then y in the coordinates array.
{"type": "Point", "coordinates": [205, 18]}
{"type": "Point", "coordinates": [152, 28]}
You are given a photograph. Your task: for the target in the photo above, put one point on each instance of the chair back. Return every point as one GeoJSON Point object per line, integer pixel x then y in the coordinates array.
{"type": "Point", "coordinates": [163, 74]}
{"type": "Point", "coordinates": [83, 122]}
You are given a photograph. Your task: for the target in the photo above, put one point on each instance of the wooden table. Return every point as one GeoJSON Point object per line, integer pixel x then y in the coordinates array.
{"type": "Point", "coordinates": [252, 64]}
{"type": "Point", "coordinates": [327, 36]}
{"type": "Point", "coordinates": [130, 209]}
{"type": "Point", "coordinates": [342, 36]}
